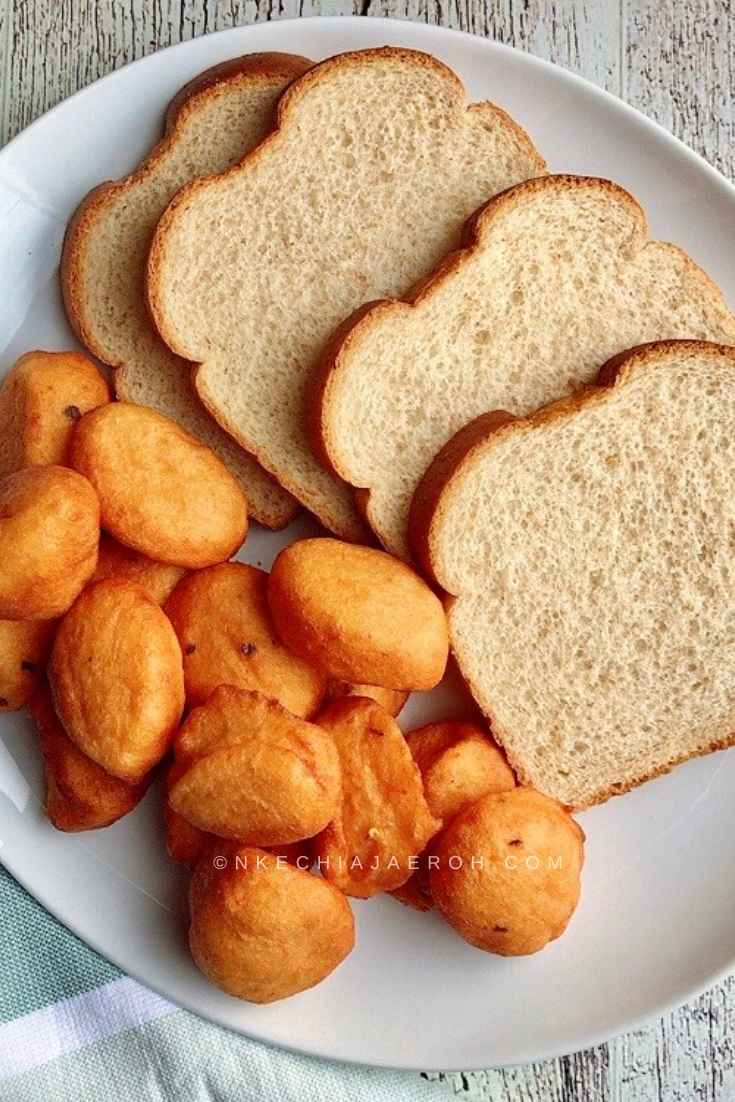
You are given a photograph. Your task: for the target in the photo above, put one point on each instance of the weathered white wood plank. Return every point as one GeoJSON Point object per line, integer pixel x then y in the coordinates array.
{"type": "Point", "coordinates": [671, 58]}
{"type": "Point", "coordinates": [679, 68]}
{"type": "Point", "coordinates": [583, 35]}
{"type": "Point", "coordinates": [62, 45]}
{"type": "Point", "coordinates": [59, 46]}
{"type": "Point", "coordinates": [688, 1055]}
{"type": "Point", "coordinates": [6, 36]}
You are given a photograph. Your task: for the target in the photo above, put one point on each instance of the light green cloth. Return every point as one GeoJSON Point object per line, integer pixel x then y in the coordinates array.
{"type": "Point", "coordinates": [73, 1027]}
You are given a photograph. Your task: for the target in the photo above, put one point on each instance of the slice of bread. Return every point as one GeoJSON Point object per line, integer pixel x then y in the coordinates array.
{"type": "Point", "coordinates": [213, 120]}
{"type": "Point", "coordinates": [557, 275]}
{"type": "Point", "coordinates": [590, 554]}
{"type": "Point", "coordinates": [375, 165]}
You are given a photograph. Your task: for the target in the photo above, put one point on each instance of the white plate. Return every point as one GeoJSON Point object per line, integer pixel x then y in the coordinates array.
{"type": "Point", "coordinates": [655, 925]}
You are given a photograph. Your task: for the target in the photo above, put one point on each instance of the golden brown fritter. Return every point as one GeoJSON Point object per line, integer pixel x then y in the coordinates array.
{"type": "Point", "coordinates": [222, 619]}
{"type": "Point", "coordinates": [24, 648]}
{"type": "Point", "coordinates": [506, 871]}
{"type": "Point", "coordinates": [459, 764]}
{"type": "Point", "coordinates": [161, 492]}
{"type": "Point", "coordinates": [359, 614]}
{"type": "Point", "coordinates": [49, 532]}
{"type": "Point", "coordinates": [117, 678]}
{"type": "Point", "coordinates": [383, 818]}
{"type": "Point", "coordinates": [262, 930]}
{"type": "Point", "coordinates": [392, 700]}
{"type": "Point", "coordinates": [251, 771]}
{"type": "Point", "coordinates": [41, 399]}
{"type": "Point", "coordinates": [80, 795]}
{"type": "Point", "coordinates": [158, 579]}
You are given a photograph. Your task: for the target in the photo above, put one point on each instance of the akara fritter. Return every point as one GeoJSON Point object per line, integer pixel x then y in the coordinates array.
{"type": "Point", "coordinates": [263, 930]}
{"type": "Point", "coordinates": [41, 399]}
{"type": "Point", "coordinates": [161, 491]}
{"type": "Point", "coordinates": [252, 771]}
{"type": "Point", "coordinates": [117, 678]}
{"type": "Point", "coordinates": [49, 532]}
{"type": "Point", "coordinates": [358, 614]}
{"type": "Point", "coordinates": [185, 843]}
{"type": "Point", "coordinates": [224, 627]}
{"type": "Point", "coordinates": [383, 819]}
{"type": "Point", "coordinates": [459, 764]}
{"type": "Point", "coordinates": [506, 871]}
{"type": "Point", "coordinates": [158, 579]}
{"type": "Point", "coordinates": [24, 648]}
{"type": "Point", "coordinates": [80, 795]}
{"type": "Point", "coordinates": [415, 893]}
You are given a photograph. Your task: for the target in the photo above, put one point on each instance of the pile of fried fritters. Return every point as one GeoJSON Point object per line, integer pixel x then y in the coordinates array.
{"type": "Point", "coordinates": [270, 698]}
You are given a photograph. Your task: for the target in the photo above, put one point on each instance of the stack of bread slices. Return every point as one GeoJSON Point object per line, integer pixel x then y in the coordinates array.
{"type": "Point", "coordinates": [369, 298]}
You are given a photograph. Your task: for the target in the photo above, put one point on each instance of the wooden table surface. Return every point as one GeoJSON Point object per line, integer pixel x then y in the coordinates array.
{"type": "Point", "coordinates": [675, 61]}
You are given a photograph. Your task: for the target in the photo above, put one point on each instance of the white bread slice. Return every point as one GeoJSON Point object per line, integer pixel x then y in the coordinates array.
{"type": "Point", "coordinates": [557, 275]}
{"type": "Point", "coordinates": [590, 554]}
{"type": "Point", "coordinates": [375, 165]}
{"type": "Point", "coordinates": [210, 124]}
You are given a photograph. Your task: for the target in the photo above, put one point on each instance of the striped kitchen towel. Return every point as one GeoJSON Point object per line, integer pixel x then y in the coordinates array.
{"type": "Point", "coordinates": [73, 1027]}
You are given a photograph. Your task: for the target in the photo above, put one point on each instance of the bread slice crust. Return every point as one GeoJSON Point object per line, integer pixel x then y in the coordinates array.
{"type": "Point", "coordinates": [331, 501]}
{"type": "Point", "coordinates": [137, 376]}
{"type": "Point", "coordinates": [343, 365]}
{"type": "Point", "coordinates": [442, 484]}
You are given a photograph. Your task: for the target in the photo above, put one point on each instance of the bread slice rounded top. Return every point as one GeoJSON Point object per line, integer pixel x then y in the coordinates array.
{"type": "Point", "coordinates": [210, 124]}
{"type": "Point", "coordinates": [590, 554]}
{"type": "Point", "coordinates": [376, 162]}
{"type": "Point", "coordinates": [555, 275]}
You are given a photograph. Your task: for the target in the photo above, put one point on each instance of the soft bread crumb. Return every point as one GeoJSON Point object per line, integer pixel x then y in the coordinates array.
{"type": "Point", "coordinates": [591, 552]}
{"type": "Point", "coordinates": [560, 278]}
{"type": "Point", "coordinates": [376, 165]}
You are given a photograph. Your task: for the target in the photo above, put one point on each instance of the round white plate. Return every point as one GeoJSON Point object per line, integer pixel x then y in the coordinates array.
{"type": "Point", "coordinates": [655, 925]}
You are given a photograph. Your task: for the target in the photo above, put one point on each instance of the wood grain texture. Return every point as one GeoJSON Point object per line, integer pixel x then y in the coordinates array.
{"type": "Point", "coordinates": [679, 68]}
{"type": "Point", "coordinates": [675, 60]}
